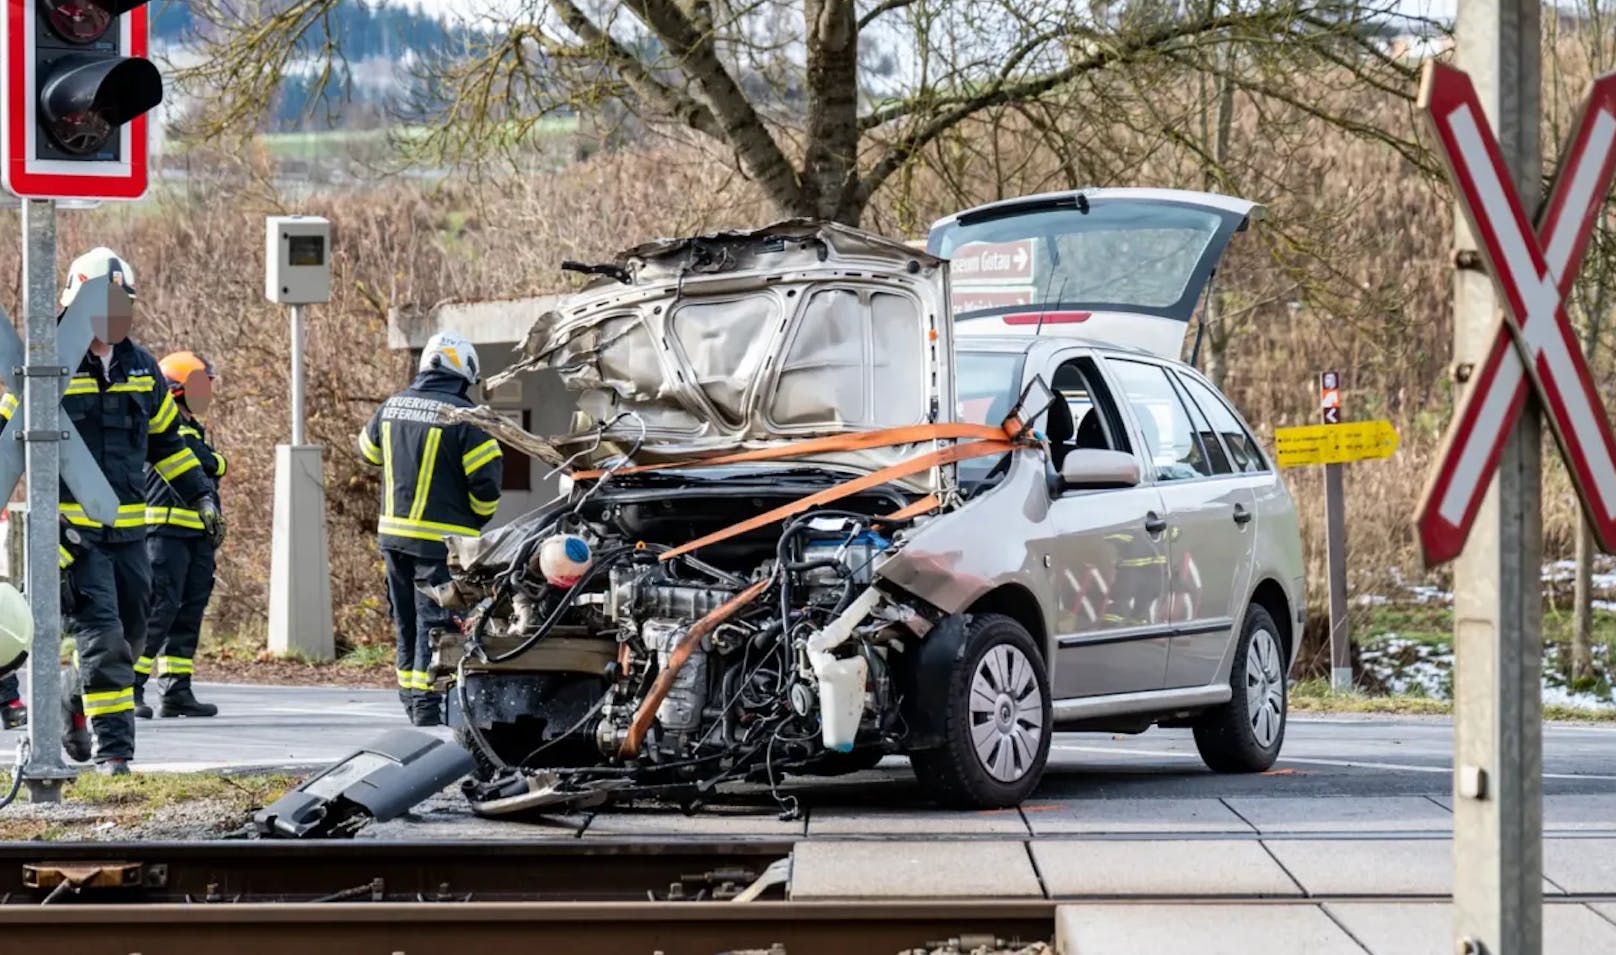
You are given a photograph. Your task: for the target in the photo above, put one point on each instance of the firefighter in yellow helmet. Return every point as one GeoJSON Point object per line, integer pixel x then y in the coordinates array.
{"type": "Point", "coordinates": [181, 552]}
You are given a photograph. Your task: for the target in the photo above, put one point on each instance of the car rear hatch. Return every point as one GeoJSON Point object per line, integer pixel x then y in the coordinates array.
{"type": "Point", "coordinates": [1120, 266]}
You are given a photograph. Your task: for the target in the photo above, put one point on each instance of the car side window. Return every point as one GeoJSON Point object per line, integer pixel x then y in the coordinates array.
{"type": "Point", "coordinates": [1217, 460]}
{"type": "Point", "coordinates": [1243, 452]}
{"type": "Point", "coordinates": [1092, 417]}
{"type": "Point", "coordinates": [1173, 449]}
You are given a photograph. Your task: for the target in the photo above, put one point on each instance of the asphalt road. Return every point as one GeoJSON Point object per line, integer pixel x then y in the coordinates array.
{"type": "Point", "coordinates": [262, 726]}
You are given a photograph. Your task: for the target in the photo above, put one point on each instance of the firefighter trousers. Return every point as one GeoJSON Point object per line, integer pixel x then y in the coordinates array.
{"type": "Point", "coordinates": [182, 583]}
{"type": "Point", "coordinates": [415, 615]}
{"type": "Point", "coordinates": [110, 585]}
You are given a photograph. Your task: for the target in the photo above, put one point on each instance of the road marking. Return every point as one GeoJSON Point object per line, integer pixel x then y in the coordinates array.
{"type": "Point", "coordinates": [1309, 761]}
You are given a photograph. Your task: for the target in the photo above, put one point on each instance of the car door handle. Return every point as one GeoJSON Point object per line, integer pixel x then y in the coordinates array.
{"type": "Point", "coordinates": [1241, 515]}
{"type": "Point", "coordinates": [1154, 524]}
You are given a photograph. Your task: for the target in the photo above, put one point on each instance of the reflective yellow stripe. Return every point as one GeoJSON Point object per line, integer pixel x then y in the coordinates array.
{"type": "Point", "coordinates": [108, 702]}
{"type": "Point", "coordinates": [143, 666]}
{"type": "Point", "coordinates": [368, 448]}
{"type": "Point", "coordinates": [421, 530]}
{"type": "Point", "coordinates": [176, 464]}
{"type": "Point", "coordinates": [64, 557]}
{"type": "Point", "coordinates": [480, 455]}
{"type": "Point", "coordinates": [83, 385]}
{"type": "Point", "coordinates": [175, 516]}
{"type": "Point", "coordinates": [189, 432]}
{"type": "Point", "coordinates": [177, 665]}
{"type": "Point", "coordinates": [387, 469]}
{"type": "Point", "coordinates": [129, 515]}
{"type": "Point", "coordinates": [166, 414]}
{"type": "Point", "coordinates": [219, 460]}
{"type": "Point", "coordinates": [483, 508]}
{"type": "Point", "coordinates": [8, 405]}
{"type": "Point", "coordinates": [137, 384]}
{"type": "Point", "coordinates": [423, 478]}
{"type": "Point", "coordinates": [414, 680]}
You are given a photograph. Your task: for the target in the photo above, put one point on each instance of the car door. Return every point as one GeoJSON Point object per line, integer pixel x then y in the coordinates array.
{"type": "Point", "coordinates": [1109, 553]}
{"type": "Point", "coordinates": [1210, 513]}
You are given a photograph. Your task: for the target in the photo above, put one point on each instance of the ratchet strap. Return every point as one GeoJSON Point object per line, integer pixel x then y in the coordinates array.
{"type": "Point", "coordinates": [852, 441]}
{"type": "Point", "coordinates": [904, 468]}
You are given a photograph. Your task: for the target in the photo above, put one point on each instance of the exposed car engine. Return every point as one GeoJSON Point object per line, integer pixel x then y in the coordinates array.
{"type": "Point", "coordinates": [701, 674]}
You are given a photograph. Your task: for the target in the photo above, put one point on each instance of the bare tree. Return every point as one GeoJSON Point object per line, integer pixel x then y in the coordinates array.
{"type": "Point", "coordinates": [822, 102]}
{"type": "Point", "coordinates": [1579, 45]}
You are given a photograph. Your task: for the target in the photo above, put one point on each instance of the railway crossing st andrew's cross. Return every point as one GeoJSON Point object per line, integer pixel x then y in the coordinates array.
{"type": "Point", "coordinates": [1534, 275]}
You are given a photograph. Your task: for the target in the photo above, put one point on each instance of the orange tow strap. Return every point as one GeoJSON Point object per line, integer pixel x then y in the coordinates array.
{"type": "Point", "coordinates": [854, 441]}
{"type": "Point", "coordinates": [920, 462]}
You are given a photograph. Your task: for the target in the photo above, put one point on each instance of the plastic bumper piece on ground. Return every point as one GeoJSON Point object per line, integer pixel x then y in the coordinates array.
{"type": "Point", "coordinates": [382, 781]}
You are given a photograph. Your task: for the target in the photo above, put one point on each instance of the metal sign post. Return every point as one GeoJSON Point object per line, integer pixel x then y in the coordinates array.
{"type": "Point", "coordinates": [41, 412]}
{"type": "Point", "coordinates": [1335, 538]}
{"type": "Point", "coordinates": [1483, 501]}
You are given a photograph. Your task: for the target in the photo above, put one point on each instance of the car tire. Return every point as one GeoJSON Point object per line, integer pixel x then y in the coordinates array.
{"type": "Point", "coordinates": [996, 720]}
{"type": "Point", "coordinates": [1245, 734]}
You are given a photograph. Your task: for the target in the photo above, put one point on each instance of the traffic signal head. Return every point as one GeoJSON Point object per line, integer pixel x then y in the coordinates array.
{"type": "Point", "coordinates": [88, 86]}
{"type": "Point", "coordinates": [78, 86]}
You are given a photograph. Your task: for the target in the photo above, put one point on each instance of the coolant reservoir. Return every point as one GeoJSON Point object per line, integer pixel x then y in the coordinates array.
{"type": "Point", "coordinates": [563, 558]}
{"type": "Point", "coordinates": [841, 700]}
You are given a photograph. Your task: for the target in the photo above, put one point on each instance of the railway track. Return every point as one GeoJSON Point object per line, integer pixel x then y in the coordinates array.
{"type": "Point", "coordinates": [597, 897]}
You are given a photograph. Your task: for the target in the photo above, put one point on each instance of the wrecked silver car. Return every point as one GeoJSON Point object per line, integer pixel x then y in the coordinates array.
{"type": "Point", "coordinates": [805, 528]}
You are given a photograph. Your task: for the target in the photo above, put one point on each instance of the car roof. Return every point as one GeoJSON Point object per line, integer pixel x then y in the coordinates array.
{"type": "Point", "coordinates": [1019, 343]}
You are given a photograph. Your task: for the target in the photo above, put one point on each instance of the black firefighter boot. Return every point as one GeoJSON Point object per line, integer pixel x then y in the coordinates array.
{"type": "Point", "coordinates": [142, 711]}
{"type": "Point", "coordinates": [427, 709]}
{"type": "Point", "coordinates": [180, 701]}
{"type": "Point", "coordinates": [76, 728]}
{"type": "Point", "coordinates": [13, 715]}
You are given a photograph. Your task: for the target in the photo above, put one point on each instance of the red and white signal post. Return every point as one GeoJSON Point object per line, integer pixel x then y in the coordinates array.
{"type": "Point", "coordinates": [1488, 476]}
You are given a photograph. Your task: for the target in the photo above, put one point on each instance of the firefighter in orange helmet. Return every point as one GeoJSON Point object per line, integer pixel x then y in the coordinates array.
{"type": "Point", "coordinates": [182, 554]}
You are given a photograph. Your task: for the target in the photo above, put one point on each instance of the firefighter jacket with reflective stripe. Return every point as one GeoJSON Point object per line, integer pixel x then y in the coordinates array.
{"type": "Point", "coordinates": [439, 478]}
{"type": "Point", "coordinates": [127, 418]}
{"type": "Point", "coordinates": [166, 512]}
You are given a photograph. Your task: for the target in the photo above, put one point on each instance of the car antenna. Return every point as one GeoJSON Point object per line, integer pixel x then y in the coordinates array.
{"type": "Point", "coordinates": [1044, 309]}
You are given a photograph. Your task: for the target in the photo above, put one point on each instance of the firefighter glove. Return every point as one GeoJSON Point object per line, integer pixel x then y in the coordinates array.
{"type": "Point", "coordinates": [207, 509]}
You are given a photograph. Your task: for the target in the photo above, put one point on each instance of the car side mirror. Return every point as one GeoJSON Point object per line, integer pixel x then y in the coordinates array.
{"type": "Point", "coordinates": [1091, 469]}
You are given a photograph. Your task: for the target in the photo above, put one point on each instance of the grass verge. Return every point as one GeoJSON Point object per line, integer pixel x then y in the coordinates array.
{"type": "Point", "coordinates": [1316, 696]}
{"type": "Point", "coordinates": [143, 806]}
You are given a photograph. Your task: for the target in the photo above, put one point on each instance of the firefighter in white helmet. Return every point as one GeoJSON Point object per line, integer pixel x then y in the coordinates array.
{"type": "Point", "coordinates": [441, 479]}
{"type": "Point", "coordinates": [121, 406]}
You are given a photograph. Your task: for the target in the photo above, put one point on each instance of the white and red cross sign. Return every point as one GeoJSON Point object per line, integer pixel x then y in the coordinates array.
{"type": "Point", "coordinates": [1535, 345]}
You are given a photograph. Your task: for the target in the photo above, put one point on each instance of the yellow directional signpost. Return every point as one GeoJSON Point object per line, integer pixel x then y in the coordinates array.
{"type": "Point", "coordinates": [1332, 444]}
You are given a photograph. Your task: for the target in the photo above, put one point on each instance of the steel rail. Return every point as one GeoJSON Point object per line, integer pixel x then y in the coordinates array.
{"type": "Point", "coordinates": [703, 928]}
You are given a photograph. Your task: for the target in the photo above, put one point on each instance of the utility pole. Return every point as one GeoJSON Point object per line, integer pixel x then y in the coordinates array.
{"type": "Point", "coordinates": [1498, 756]}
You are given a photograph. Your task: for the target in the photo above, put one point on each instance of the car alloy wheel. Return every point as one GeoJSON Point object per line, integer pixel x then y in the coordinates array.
{"type": "Point", "coordinates": [1006, 713]}
{"type": "Point", "coordinates": [1265, 688]}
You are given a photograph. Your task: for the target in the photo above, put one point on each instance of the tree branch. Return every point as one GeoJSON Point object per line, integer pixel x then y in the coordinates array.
{"type": "Point", "coordinates": [880, 9]}
{"type": "Point", "coordinates": [739, 122]}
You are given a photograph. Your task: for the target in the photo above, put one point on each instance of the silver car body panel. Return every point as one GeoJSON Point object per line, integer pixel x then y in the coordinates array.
{"type": "Point", "coordinates": [744, 340]}
{"type": "Point", "coordinates": [1176, 656]}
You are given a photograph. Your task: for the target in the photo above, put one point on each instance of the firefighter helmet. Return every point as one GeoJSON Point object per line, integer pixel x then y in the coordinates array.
{"type": "Point", "coordinates": [190, 378]}
{"type": "Point", "coordinates": [16, 629]}
{"type": "Point", "coordinates": [451, 353]}
{"type": "Point", "coordinates": [97, 262]}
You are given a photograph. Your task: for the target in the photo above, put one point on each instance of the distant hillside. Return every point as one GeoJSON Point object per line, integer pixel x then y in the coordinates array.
{"type": "Point", "coordinates": [382, 44]}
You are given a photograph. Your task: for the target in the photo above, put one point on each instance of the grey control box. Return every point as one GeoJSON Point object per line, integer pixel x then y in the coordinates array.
{"type": "Point", "coordinates": [297, 260]}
